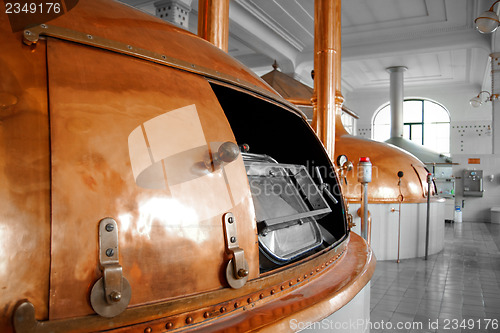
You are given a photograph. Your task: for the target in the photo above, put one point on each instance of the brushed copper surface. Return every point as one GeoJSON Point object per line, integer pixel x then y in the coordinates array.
{"type": "Point", "coordinates": [25, 176]}
{"type": "Point", "coordinates": [169, 237]}
{"type": "Point", "coordinates": [32, 35]}
{"type": "Point", "coordinates": [213, 22]}
{"type": "Point", "coordinates": [115, 21]}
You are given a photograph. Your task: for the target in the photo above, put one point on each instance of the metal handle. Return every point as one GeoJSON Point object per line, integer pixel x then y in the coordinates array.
{"type": "Point", "coordinates": [111, 294]}
{"type": "Point", "coordinates": [237, 268]}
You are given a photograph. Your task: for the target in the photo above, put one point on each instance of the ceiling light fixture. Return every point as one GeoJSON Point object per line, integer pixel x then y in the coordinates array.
{"type": "Point", "coordinates": [477, 101]}
{"type": "Point", "coordinates": [488, 21]}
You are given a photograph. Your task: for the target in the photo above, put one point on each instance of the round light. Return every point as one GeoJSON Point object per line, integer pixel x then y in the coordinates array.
{"type": "Point", "coordinates": [475, 102]}
{"type": "Point", "coordinates": [487, 22]}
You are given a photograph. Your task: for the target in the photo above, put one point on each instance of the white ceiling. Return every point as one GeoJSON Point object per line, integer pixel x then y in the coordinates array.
{"type": "Point", "coordinates": [435, 39]}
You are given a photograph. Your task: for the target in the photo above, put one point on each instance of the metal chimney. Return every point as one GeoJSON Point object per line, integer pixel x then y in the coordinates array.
{"type": "Point", "coordinates": [426, 155]}
{"type": "Point", "coordinates": [396, 100]}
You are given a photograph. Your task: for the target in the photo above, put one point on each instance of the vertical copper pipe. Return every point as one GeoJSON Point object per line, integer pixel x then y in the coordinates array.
{"type": "Point", "coordinates": [213, 22]}
{"type": "Point", "coordinates": [327, 52]}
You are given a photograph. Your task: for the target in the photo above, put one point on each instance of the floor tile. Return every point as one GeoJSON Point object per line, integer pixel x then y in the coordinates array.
{"type": "Point", "coordinates": [460, 282]}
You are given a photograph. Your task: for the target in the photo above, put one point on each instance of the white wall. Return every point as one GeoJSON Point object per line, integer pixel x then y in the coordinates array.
{"type": "Point", "coordinates": [466, 142]}
{"type": "Point", "coordinates": [478, 209]}
{"type": "Point", "coordinates": [455, 100]}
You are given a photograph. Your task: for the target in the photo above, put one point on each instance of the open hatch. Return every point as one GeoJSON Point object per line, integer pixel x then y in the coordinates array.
{"type": "Point", "coordinates": [298, 205]}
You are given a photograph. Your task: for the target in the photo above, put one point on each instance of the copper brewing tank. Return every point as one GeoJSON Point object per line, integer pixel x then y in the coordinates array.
{"type": "Point", "coordinates": [387, 160]}
{"type": "Point", "coordinates": [120, 212]}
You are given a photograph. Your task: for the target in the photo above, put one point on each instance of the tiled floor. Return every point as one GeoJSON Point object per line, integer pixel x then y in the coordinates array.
{"type": "Point", "coordinates": [457, 290]}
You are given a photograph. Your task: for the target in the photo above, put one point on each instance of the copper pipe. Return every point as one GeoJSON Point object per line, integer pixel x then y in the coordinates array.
{"type": "Point", "coordinates": [213, 22]}
{"type": "Point", "coordinates": [327, 57]}
{"type": "Point", "coordinates": [493, 5]}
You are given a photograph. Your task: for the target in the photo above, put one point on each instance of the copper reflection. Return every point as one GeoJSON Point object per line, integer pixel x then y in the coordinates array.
{"type": "Point", "coordinates": [327, 14]}
{"type": "Point", "coordinates": [213, 22]}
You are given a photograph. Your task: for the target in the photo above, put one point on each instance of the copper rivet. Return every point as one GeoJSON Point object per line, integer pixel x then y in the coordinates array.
{"type": "Point", "coordinates": [282, 287]}
{"type": "Point", "coordinates": [148, 330]}
{"type": "Point", "coordinates": [272, 292]}
{"type": "Point", "coordinates": [298, 279]}
{"type": "Point", "coordinates": [305, 276]}
{"type": "Point", "coordinates": [236, 305]}
{"type": "Point", "coordinates": [290, 283]}
{"type": "Point", "coordinates": [222, 310]}
{"type": "Point", "coordinates": [206, 315]}
{"type": "Point", "coordinates": [249, 300]}
{"type": "Point", "coordinates": [317, 269]}
{"type": "Point", "coordinates": [169, 326]}
{"type": "Point", "coordinates": [189, 320]}
{"type": "Point", "coordinates": [261, 296]}
{"type": "Point", "coordinates": [322, 266]}
{"type": "Point", "coordinates": [312, 273]}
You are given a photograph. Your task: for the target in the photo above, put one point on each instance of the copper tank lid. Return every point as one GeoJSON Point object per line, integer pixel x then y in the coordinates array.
{"type": "Point", "coordinates": [387, 161]}
{"type": "Point", "coordinates": [291, 89]}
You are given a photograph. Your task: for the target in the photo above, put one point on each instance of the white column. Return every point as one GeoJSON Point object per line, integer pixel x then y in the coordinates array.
{"type": "Point", "coordinates": [396, 99]}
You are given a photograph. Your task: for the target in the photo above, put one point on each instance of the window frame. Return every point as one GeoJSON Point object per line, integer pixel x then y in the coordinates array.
{"type": "Point", "coordinates": [412, 124]}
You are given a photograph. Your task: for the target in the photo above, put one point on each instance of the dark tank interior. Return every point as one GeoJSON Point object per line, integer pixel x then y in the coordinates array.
{"type": "Point", "coordinates": [281, 144]}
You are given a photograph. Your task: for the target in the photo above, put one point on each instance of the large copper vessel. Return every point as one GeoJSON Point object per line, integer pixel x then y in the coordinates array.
{"type": "Point", "coordinates": [387, 161]}
{"type": "Point", "coordinates": [125, 205]}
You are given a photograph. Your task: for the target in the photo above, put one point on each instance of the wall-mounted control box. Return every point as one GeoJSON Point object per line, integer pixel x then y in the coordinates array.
{"type": "Point", "coordinates": [473, 183]}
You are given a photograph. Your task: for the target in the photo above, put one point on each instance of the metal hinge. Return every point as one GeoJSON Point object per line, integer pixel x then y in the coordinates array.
{"type": "Point", "coordinates": [237, 267]}
{"type": "Point", "coordinates": [111, 294]}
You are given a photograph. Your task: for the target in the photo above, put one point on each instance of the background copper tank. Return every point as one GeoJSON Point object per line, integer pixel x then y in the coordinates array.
{"type": "Point", "coordinates": [387, 161]}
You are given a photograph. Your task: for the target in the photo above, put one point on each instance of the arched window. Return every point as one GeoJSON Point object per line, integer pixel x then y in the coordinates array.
{"type": "Point", "coordinates": [425, 122]}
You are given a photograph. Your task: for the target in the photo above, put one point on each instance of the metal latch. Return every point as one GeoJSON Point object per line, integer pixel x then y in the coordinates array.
{"type": "Point", "coordinates": [237, 267]}
{"type": "Point", "coordinates": [111, 294]}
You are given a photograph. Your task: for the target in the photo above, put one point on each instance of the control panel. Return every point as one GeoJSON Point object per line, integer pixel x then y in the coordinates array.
{"type": "Point", "coordinates": [473, 183]}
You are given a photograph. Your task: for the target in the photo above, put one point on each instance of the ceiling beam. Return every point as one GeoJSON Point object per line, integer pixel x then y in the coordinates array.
{"type": "Point", "coordinates": [261, 38]}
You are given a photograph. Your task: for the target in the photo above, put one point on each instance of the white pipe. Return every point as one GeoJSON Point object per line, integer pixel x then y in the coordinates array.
{"type": "Point", "coordinates": [396, 100]}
